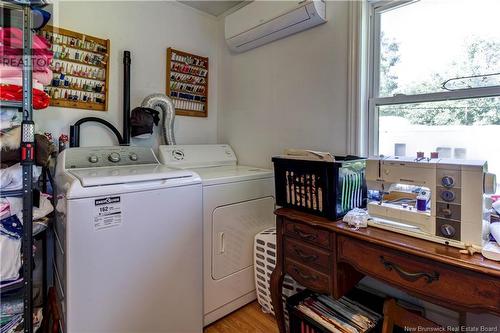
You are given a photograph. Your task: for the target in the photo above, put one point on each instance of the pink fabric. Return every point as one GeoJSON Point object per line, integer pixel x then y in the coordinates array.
{"type": "Point", "coordinates": [44, 77]}
{"type": "Point", "coordinates": [13, 37]}
{"type": "Point", "coordinates": [4, 208]}
{"type": "Point", "coordinates": [11, 49]}
{"type": "Point", "coordinates": [39, 62]}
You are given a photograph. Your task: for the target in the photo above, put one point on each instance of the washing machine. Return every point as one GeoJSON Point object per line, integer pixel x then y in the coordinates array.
{"type": "Point", "coordinates": [238, 203]}
{"type": "Point", "coordinates": [128, 243]}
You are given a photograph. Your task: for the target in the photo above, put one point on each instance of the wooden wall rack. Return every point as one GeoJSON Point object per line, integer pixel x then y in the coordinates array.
{"type": "Point", "coordinates": [187, 83]}
{"type": "Point", "coordinates": [81, 69]}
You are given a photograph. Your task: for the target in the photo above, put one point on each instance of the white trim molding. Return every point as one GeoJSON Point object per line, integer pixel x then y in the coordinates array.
{"type": "Point", "coordinates": [356, 90]}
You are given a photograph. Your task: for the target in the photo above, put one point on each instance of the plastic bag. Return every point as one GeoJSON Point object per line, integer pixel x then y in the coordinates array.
{"type": "Point", "coordinates": [357, 218]}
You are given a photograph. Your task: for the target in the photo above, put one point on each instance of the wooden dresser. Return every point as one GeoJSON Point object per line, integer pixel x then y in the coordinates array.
{"type": "Point", "coordinates": [329, 257]}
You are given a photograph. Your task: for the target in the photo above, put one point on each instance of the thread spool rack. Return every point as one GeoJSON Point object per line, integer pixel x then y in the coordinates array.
{"type": "Point", "coordinates": [187, 83]}
{"type": "Point", "coordinates": [80, 69]}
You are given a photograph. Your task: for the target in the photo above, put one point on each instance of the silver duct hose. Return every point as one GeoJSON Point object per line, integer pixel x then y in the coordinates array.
{"type": "Point", "coordinates": [165, 104]}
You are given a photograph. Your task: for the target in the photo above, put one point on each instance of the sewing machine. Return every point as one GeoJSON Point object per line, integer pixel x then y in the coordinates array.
{"type": "Point", "coordinates": [441, 200]}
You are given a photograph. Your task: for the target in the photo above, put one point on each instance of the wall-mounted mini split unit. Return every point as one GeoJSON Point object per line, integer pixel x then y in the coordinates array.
{"type": "Point", "coordinates": [262, 22]}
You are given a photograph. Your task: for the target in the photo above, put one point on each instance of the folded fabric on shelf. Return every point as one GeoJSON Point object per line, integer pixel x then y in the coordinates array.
{"type": "Point", "coordinates": [4, 208]}
{"type": "Point", "coordinates": [9, 117]}
{"type": "Point", "coordinates": [18, 81]}
{"type": "Point", "coordinates": [44, 209]}
{"type": "Point", "coordinates": [11, 178]}
{"type": "Point", "coordinates": [44, 77]}
{"type": "Point", "coordinates": [13, 37]}
{"type": "Point", "coordinates": [11, 92]}
{"type": "Point", "coordinates": [8, 283]}
{"type": "Point", "coordinates": [11, 306]}
{"type": "Point", "coordinates": [13, 325]}
{"type": "Point", "coordinates": [15, 18]}
{"type": "Point", "coordinates": [11, 57]}
{"type": "Point", "coordinates": [11, 49]}
{"type": "Point", "coordinates": [10, 248]}
{"type": "Point", "coordinates": [10, 138]}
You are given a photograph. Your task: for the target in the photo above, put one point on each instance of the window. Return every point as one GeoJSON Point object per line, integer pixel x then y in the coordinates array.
{"type": "Point", "coordinates": [435, 79]}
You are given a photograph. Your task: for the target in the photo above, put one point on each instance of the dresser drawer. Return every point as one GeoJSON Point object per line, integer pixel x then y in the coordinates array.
{"type": "Point", "coordinates": [307, 255]}
{"type": "Point", "coordinates": [449, 284]}
{"type": "Point", "coordinates": [308, 277]}
{"type": "Point", "coordinates": [308, 234]}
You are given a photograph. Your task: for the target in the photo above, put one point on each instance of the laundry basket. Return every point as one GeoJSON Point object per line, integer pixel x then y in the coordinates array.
{"type": "Point", "coordinates": [264, 263]}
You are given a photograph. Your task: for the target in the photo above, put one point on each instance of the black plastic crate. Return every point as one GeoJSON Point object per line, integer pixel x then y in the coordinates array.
{"type": "Point", "coordinates": [328, 189]}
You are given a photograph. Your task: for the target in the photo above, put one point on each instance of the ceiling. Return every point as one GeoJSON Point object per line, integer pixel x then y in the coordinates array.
{"type": "Point", "coordinates": [214, 8]}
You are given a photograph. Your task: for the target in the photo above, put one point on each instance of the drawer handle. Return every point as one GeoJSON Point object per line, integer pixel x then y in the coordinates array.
{"type": "Point", "coordinates": [429, 277]}
{"type": "Point", "coordinates": [305, 257]}
{"type": "Point", "coordinates": [305, 276]}
{"type": "Point", "coordinates": [304, 235]}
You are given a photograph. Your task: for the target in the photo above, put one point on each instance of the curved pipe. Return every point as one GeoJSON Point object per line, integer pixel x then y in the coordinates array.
{"type": "Point", "coordinates": [74, 130]}
{"type": "Point", "coordinates": [167, 106]}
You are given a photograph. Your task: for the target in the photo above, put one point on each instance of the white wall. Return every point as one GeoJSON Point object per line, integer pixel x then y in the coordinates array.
{"type": "Point", "coordinates": [291, 93]}
{"type": "Point", "coordinates": [146, 28]}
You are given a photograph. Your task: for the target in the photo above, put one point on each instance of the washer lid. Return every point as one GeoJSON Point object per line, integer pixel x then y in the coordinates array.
{"type": "Point", "coordinates": [231, 174]}
{"type": "Point", "coordinates": [127, 174]}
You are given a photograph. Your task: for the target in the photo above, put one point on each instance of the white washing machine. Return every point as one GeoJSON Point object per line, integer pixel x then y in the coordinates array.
{"type": "Point", "coordinates": [128, 243]}
{"type": "Point", "coordinates": [238, 203]}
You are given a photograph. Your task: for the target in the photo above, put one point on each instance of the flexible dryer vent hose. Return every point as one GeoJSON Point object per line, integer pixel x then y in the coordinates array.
{"type": "Point", "coordinates": [165, 104]}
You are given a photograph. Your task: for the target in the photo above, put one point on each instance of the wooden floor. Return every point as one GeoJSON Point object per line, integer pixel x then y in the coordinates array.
{"type": "Point", "coordinates": [249, 319]}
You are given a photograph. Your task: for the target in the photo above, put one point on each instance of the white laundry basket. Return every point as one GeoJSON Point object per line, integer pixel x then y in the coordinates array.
{"type": "Point", "coordinates": [264, 263]}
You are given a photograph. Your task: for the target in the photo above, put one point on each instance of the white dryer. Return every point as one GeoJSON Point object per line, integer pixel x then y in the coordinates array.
{"type": "Point", "coordinates": [238, 203]}
{"type": "Point", "coordinates": [128, 243]}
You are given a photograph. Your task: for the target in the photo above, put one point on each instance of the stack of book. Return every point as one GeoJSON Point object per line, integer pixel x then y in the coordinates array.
{"type": "Point", "coordinates": [338, 316]}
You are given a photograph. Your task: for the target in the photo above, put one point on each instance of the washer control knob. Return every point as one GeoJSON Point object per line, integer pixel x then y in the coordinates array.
{"type": "Point", "coordinates": [448, 181]}
{"type": "Point", "coordinates": [178, 154]}
{"type": "Point", "coordinates": [133, 157]}
{"type": "Point", "coordinates": [93, 159]}
{"type": "Point", "coordinates": [447, 230]}
{"type": "Point", "coordinates": [114, 157]}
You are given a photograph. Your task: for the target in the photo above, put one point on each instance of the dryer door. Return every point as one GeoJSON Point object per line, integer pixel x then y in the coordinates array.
{"type": "Point", "coordinates": [234, 230]}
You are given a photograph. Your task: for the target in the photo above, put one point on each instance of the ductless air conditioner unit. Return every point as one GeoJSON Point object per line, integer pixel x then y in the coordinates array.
{"type": "Point", "coordinates": [262, 22]}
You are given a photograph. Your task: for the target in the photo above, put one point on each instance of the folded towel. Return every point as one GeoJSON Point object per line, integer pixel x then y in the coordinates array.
{"type": "Point", "coordinates": [18, 81]}
{"type": "Point", "coordinates": [11, 178]}
{"type": "Point", "coordinates": [44, 77]}
{"type": "Point", "coordinates": [13, 37]}
{"type": "Point", "coordinates": [44, 209]}
{"type": "Point", "coordinates": [10, 138]}
{"type": "Point", "coordinates": [9, 118]}
{"type": "Point", "coordinates": [10, 248]}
